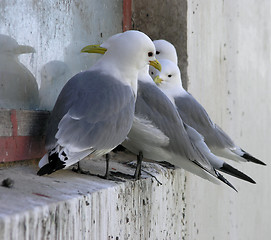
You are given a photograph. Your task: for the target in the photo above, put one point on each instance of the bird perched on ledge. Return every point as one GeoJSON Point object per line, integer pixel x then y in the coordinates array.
{"type": "Point", "coordinates": [95, 109]}
{"type": "Point", "coordinates": [191, 111]}
{"type": "Point", "coordinates": [158, 133]}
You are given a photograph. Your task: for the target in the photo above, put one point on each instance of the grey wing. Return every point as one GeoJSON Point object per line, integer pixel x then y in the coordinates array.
{"type": "Point", "coordinates": [92, 111]}
{"type": "Point", "coordinates": [153, 104]}
{"type": "Point", "coordinates": [193, 114]}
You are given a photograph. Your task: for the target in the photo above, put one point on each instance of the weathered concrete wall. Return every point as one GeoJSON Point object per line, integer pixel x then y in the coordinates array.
{"type": "Point", "coordinates": [229, 72]}
{"type": "Point", "coordinates": [66, 205]}
{"type": "Point", "coordinates": [161, 19]}
{"type": "Point", "coordinates": [59, 29]}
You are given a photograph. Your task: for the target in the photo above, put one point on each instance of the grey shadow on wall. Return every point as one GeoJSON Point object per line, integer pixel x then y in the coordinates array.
{"type": "Point", "coordinates": [18, 86]}
{"type": "Point", "coordinates": [54, 76]}
{"type": "Point", "coordinates": [77, 61]}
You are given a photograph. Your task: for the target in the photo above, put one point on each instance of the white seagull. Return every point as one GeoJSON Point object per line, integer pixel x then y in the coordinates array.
{"type": "Point", "coordinates": [193, 113]}
{"type": "Point", "coordinates": [158, 133]}
{"type": "Point", "coordinates": [95, 110]}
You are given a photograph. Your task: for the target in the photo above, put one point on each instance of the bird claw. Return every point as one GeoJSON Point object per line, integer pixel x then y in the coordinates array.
{"type": "Point", "coordinates": [81, 171]}
{"type": "Point", "coordinates": [166, 165]}
{"type": "Point", "coordinates": [110, 177]}
{"type": "Point", "coordinates": [122, 175]}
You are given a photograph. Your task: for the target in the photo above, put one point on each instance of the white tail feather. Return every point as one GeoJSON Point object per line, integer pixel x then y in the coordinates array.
{"type": "Point", "coordinates": [43, 161]}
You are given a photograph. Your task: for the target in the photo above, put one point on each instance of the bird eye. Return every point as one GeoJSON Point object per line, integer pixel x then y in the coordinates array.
{"type": "Point", "coordinates": [169, 75]}
{"type": "Point", "coordinates": [157, 52]}
{"type": "Point", "coordinates": [152, 73]}
{"type": "Point", "coordinates": [150, 54]}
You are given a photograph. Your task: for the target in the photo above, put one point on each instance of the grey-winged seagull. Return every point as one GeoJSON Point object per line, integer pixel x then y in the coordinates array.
{"type": "Point", "coordinates": [159, 133]}
{"type": "Point", "coordinates": [95, 109]}
{"type": "Point", "coordinates": [195, 115]}
{"type": "Point", "coordinates": [193, 112]}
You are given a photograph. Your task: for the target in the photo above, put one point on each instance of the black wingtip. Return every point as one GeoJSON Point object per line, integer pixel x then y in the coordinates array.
{"type": "Point", "coordinates": [221, 178]}
{"type": "Point", "coordinates": [54, 164]}
{"type": "Point", "coordinates": [250, 158]}
{"type": "Point", "coordinates": [46, 169]}
{"type": "Point", "coordinates": [226, 168]}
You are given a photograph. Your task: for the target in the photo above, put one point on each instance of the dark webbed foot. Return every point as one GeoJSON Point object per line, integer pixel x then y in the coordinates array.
{"type": "Point", "coordinates": [107, 175]}
{"type": "Point", "coordinates": [138, 170]}
{"type": "Point", "coordinates": [111, 177]}
{"type": "Point", "coordinates": [137, 173]}
{"type": "Point", "coordinates": [122, 175]}
{"type": "Point", "coordinates": [166, 165]}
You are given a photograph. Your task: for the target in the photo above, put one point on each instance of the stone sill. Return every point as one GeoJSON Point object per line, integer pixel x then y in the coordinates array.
{"type": "Point", "coordinates": [67, 205]}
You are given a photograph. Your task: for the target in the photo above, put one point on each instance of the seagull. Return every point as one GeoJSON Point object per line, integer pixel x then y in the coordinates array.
{"type": "Point", "coordinates": [18, 86]}
{"type": "Point", "coordinates": [158, 133]}
{"type": "Point", "coordinates": [95, 109]}
{"type": "Point", "coordinates": [193, 114]}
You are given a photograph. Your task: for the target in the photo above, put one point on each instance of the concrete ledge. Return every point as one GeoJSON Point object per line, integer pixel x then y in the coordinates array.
{"type": "Point", "coordinates": [66, 205]}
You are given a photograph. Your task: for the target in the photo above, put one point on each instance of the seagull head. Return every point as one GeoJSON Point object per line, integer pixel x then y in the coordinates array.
{"type": "Point", "coordinates": [165, 50]}
{"type": "Point", "coordinates": [170, 76]}
{"type": "Point", "coordinates": [131, 48]}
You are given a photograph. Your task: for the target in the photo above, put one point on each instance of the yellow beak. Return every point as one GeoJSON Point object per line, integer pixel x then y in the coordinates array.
{"type": "Point", "coordinates": [94, 49]}
{"type": "Point", "coordinates": [157, 80]}
{"type": "Point", "coordinates": [101, 50]}
{"type": "Point", "coordinates": [156, 65]}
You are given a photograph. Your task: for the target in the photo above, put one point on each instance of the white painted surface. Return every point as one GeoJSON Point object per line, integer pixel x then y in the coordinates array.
{"type": "Point", "coordinates": [229, 73]}
{"type": "Point", "coordinates": [59, 29]}
{"type": "Point", "coordinates": [67, 205]}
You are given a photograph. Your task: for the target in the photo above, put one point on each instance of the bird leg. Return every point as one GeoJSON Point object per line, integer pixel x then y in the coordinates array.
{"type": "Point", "coordinates": [138, 165]}
{"type": "Point", "coordinates": [80, 170]}
{"type": "Point", "coordinates": [106, 176]}
{"type": "Point", "coordinates": [137, 171]}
